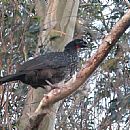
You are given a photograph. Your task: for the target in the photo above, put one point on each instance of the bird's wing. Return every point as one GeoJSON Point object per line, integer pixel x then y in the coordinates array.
{"type": "Point", "coordinates": [50, 60]}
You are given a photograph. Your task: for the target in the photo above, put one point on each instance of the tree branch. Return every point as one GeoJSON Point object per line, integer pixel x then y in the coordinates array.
{"type": "Point", "coordinates": [68, 88]}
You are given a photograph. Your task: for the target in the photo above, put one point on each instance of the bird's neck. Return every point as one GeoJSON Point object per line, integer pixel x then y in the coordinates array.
{"type": "Point", "coordinates": [72, 52]}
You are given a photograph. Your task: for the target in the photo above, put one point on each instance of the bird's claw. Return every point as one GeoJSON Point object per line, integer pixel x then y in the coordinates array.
{"type": "Point", "coordinates": [51, 85]}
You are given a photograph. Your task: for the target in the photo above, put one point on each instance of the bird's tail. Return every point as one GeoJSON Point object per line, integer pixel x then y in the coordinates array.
{"type": "Point", "coordinates": [9, 78]}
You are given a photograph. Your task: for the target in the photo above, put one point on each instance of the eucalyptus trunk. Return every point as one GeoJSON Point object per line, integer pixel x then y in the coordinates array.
{"type": "Point", "coordinates": [57, 24]}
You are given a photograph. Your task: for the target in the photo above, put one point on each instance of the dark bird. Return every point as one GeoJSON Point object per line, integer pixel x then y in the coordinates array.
{"type": "Point", "coordinates": [51, 68]}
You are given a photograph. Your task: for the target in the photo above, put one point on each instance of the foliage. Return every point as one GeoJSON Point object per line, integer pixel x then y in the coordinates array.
{"type": "Point", "coordinates": [104, 100]}
{"type": "Point", "coordinates": [106, 105]}
{"type": "Point", "coordinates": [19, 27]}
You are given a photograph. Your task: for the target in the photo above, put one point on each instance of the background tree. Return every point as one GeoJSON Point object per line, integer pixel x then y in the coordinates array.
{"type": "Point", "coordinates": [103, 102]}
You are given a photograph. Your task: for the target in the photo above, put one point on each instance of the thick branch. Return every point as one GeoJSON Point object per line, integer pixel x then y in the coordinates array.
{"type": "Point", "coordinates": [68, 88]}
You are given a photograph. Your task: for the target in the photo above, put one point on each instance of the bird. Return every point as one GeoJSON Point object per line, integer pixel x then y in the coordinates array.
{"type": "Point", "coordinates": [52, 67]}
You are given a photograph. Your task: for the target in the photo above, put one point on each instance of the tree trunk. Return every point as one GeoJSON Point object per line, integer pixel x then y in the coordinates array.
{"type": "Point", "coordinates": [57, 26]}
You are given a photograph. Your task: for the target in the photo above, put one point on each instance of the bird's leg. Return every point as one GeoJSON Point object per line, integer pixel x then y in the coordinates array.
{"type": "Point", "coordinates": [51, 85]}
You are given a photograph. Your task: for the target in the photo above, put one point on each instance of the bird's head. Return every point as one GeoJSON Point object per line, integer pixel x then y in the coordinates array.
{"type": "Point", "coordinates": [76, 44]}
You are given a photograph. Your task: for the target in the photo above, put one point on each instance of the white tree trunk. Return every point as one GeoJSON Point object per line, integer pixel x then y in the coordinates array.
{"type": "Point", "coordinates": [58, 17]}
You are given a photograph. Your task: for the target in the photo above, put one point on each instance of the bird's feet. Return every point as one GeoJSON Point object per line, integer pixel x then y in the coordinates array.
{"type": "Point", "coordinates": [52, 85]}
